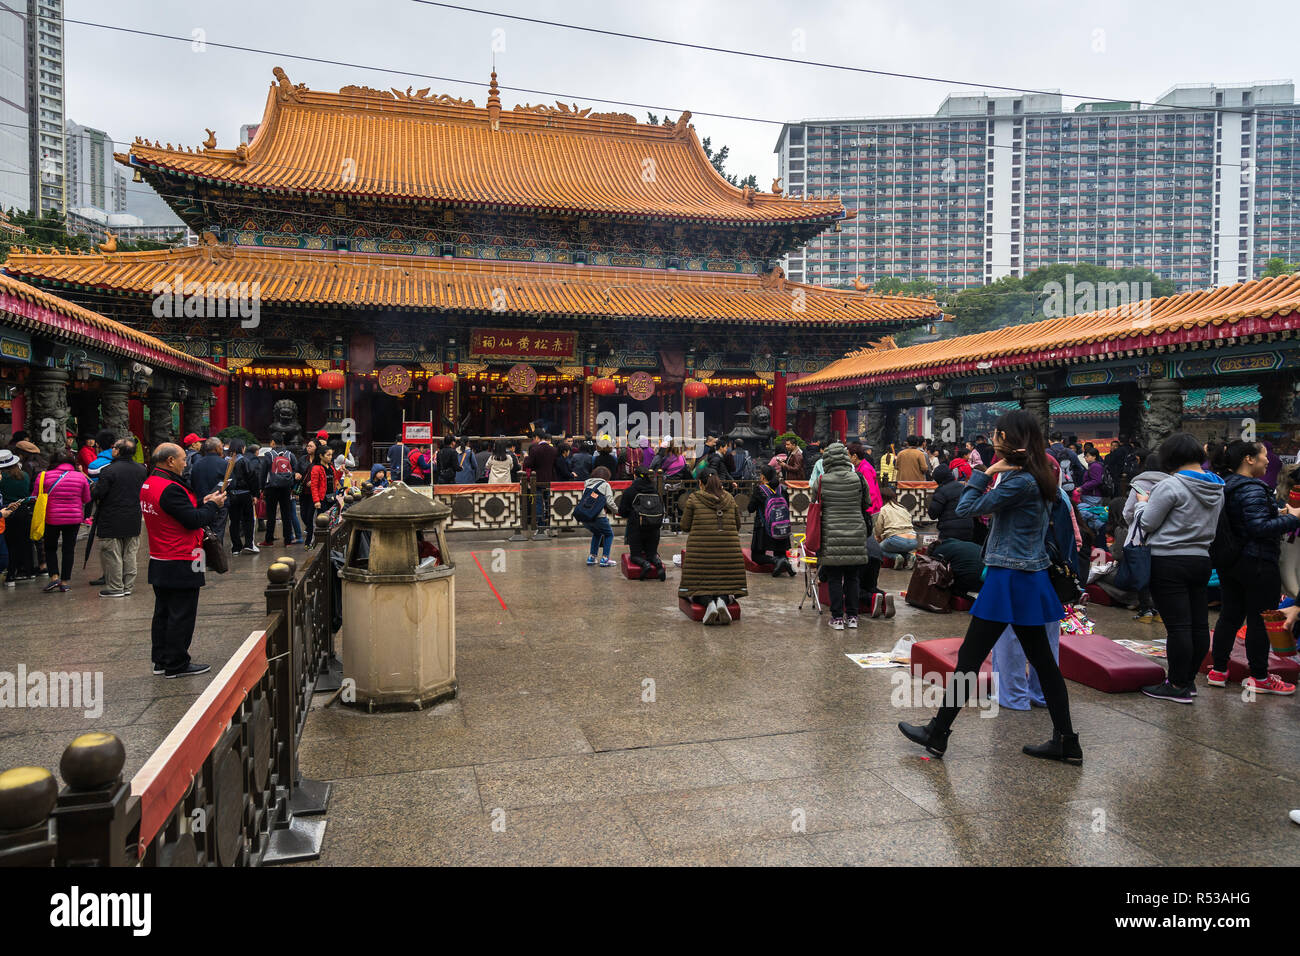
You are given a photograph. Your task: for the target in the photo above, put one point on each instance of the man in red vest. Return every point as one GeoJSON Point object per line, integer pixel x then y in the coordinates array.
{"type": "Point", "coordinates": [175, 521]}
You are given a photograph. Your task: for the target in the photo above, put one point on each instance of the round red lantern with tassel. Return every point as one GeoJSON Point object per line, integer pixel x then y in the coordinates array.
{"type": "Point", "coordinates": [441, 383]}
{"type": "Point", "coordinates": [604, 386]}
{"type": "Point", "coordinates": [330, 381]}
{"type": "Point", "coordinates": [696, 390]}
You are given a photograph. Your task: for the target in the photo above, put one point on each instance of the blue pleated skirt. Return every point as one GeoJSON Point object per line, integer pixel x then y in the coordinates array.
{"type": "Point", "coordinates": [1017, 597]}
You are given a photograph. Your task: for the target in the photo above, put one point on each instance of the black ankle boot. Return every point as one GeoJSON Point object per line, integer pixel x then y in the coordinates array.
{"type": "Point", "coordinates": [659, 571]}
{"type": "Point", "coordinates": [647, 569]}
{"type": "Point", "coordinates": [1062, 747]}
{"type": "Point", "coordinates": [931, 737]}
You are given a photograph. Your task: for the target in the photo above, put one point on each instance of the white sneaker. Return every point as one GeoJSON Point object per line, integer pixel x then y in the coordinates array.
{"type": "Point", "coordinates": [252, 548]}
{"type": "Point", "coordinates": [1295, 816]}
{"type": "Point", "coordinates": [711, 612]}
{"type": "Point", "coordinates": [724, 613]}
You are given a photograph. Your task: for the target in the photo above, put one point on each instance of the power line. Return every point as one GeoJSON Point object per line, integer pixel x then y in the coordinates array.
{"type": "Point", "coordinates": [813, 63]}
{"type": "Point", "coordinates": [645, 106]}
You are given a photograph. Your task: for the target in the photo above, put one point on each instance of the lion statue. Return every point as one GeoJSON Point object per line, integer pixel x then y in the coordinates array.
{"type": "Point", "coordinates": [285, 428]}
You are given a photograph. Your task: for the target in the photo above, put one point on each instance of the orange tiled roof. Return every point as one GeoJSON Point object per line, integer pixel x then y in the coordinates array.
{"type": "Point", "coordinates": [66, 320]}
{"type": "Point", "coordinates": [389, 144]}
{"type": "Point", "coordinates": [1149, 324]}
{"type": "Point", "coordinates": [356, 280]}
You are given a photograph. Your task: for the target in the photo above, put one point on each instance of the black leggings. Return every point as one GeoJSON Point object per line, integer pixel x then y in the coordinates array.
{"type": "Point", "coordinates": [1180, 589]}
{"type": "Point", "coordinates": [52, 534]}
{"type": "Point", "coordinates": [981, 635]}
{"type": "Point", "coordinates": [842, 581]}
{"type": "Point", "coordinates": [1251, 586]}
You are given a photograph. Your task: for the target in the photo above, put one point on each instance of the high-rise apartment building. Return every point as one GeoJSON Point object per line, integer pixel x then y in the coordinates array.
{"type": "Point", "coordinates": [15, 154]}
{"type": "Point", "coordinates": [94, 178]}
{"type": "Point", "coordinates": [1202, 188]}
{"type": "Point", "coordinates": [45, 106]}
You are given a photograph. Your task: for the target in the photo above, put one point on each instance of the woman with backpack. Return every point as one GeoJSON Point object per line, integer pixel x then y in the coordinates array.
{"type": "Point", "coordinates": [597, 498]}
{"type": "Point", "coordinates": [1178, 520]}
{"type": "Point", "coordinates": [1017, 586]}
{"type": "Point", "coordinates": [67, 491]}
{"type": "Point", "coordinates": [643, 509]}
{"type": "Point", "coordinates": [502, 466]}
{"type": "Point", "coordinates": [770, 505]}
{"type": "Point", "coordinates": [1252, 583]}
{"type": "Point", "coordinates": [466, 466]}
{"type": "Point", "coordinates": [445, 461]}
{"type": "Point", "coordinates": [713, 570]}
{"type": "Point", "coordinates": [844, 497]}
{"type": "Point", "coordinates": [1126, 534]}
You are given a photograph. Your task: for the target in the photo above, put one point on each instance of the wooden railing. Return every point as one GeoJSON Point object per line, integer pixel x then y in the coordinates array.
{"type": "Point", "coordinates": [223, 788]}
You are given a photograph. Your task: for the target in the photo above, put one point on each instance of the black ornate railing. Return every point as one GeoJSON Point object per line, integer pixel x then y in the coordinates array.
{"type": "Point", "coordinates": [224, 787]}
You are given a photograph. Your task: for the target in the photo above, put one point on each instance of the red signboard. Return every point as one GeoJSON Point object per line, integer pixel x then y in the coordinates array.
{"type": "Point", "coordinates": [523, 344]}
{"type": "Point", "coordinates": [521, 378]}
{"type": "Point", "coordinates": [394, 380]}
{"type": "Point", "coordinates": [417, 433]}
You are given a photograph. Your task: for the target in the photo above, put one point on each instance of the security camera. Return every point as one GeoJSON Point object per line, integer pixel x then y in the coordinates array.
{"type": "Point", "coordinates": [139, 368]}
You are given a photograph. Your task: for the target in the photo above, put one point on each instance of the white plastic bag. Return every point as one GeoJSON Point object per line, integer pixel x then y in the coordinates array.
{"type": "Point", "coordinates": [902, 652]}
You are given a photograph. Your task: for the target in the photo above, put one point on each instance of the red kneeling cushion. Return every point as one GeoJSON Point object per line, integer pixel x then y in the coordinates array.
{"type": "Point", "coordinates": [751, 566]}
{"type": "Point", "coordinates": [1097, 596]}
{"type": "Point", "coordinates": [696, 611]}
{"type": "Point", "coordinates": [630, 570]}
{"type": "Point", "coordinates": [960, 603]}
{"type": "Point", "coordinates": [1239, 668]}
{"type": "Point", "coordinates": [937, 659]}
{"type": "Point", "coordinates": [1100, 663]}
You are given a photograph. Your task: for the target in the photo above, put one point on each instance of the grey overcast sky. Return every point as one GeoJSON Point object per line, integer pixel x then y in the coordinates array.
{"type": "Point", "coordinates": [164, 90]}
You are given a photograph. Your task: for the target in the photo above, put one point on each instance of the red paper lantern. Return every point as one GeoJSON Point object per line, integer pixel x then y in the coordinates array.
{"type": "Point", "coordinates": [604, 386]}
{"type": "Point", "coordinates": [330, 381]}
{"type": "Point", "coordinates": [696, 390]}
{"type": "Point", "coordinates": [441, 383]}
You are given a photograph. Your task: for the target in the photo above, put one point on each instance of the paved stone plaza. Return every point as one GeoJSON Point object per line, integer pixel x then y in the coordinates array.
{"type": "Point", "coordinates": [763, 743]}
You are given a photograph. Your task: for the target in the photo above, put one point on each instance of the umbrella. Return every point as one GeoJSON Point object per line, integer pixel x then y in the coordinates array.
{"type": "Point", "coordinates": [90, 538]}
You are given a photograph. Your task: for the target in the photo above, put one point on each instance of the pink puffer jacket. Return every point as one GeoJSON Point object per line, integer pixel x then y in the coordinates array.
{"type": "Point", "coordinates": [68, 499]}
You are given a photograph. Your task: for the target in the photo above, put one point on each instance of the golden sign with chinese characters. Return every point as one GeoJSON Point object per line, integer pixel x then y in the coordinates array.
{"type": "Point", "coordinates": [394, 380]}
{"type": "Point", "coordinates": [523, 344]}
{"type": "Point", "coordinates": [522, 378]}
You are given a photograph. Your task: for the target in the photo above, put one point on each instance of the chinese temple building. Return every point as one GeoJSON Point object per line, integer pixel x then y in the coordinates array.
{"type": "Point", "coordinates": [483, 268]}
{"type": "Point", "coordinates": [1156, 357]}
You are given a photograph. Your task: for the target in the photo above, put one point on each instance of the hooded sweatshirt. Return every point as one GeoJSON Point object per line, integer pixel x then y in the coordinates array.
{"type": "Point", "coordinates": [1182, 513]}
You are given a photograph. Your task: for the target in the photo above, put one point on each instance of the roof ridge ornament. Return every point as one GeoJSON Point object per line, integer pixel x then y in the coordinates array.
{"type": "Point", "coordinates": [109, 244]}
{"type": "Point", "coordinates": [287, 91]}
{"type": "Point", "coordinates": [494, 104]}
{"type": "Point", "coordinates": [860, 285]}
{"type": "Point", "coordinates": [211, 141]}
{"type": "Point", "coordinates": [776, 186]}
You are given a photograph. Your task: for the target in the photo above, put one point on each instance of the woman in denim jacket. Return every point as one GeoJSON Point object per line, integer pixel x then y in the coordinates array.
{"type": "Point", "coordinates": [1017, 589]}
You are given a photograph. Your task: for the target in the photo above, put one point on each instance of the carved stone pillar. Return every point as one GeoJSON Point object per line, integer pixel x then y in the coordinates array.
{"type": "Point", "coordinates": [874, 431]}
{"type": "Point", "coordinates": [49, 411]}
{"type": "Point", "coordinates": [1132, 406]}
{"type": "Point", "coordinates": [1277, 400]}
{"type": "Point", "coordinates": [1164, 412]}
{"type": "Point", "coordinates": [113, 413]}
{"type": "Point", "coordinates": [945, 421]}
{"type": "Point", "coordinates": [195, 410]}
{"type": "Point", "coordinates": [160, 416]}
{"type": "Point", "coordinates": [822, 423]}
{"type": "Point", "coordinates": [1035, 402]}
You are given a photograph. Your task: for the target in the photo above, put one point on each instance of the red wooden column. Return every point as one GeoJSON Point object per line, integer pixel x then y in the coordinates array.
{"type": "Point", "coordinates": [778, 402]}
{"type": "Point", "coordinates": [839, 423]}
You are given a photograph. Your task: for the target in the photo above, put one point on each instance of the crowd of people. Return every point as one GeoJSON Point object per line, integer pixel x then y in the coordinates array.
{"type": "Point", "coordinates": [188, 492]}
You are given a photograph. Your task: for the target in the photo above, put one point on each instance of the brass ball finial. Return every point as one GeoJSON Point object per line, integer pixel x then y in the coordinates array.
{"type": "Point", "coordinates": [92, 760]}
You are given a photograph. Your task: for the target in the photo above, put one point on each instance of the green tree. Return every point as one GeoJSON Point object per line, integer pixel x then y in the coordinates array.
{"type": "Point", "coordinates": [1277, 266]}
{"type": "Point", "coordinates": [718, 159]}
